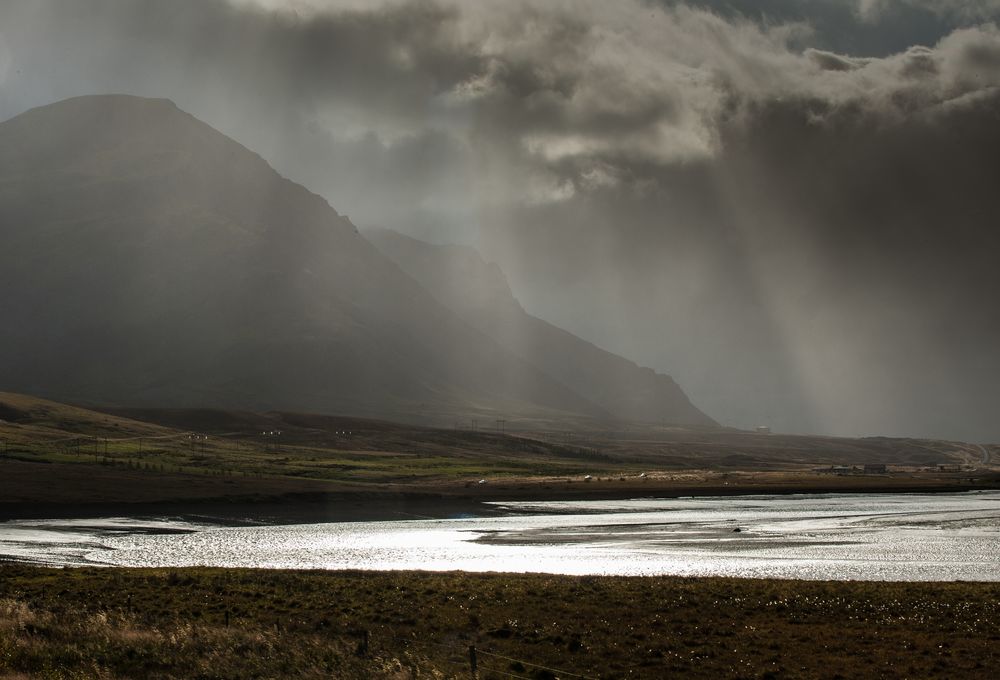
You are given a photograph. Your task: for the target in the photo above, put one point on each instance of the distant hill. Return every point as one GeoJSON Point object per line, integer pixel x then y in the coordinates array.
{"type": "Point", "coordinates": [477, 291]}
{"type": "Point", "coordinates": [147, 259]}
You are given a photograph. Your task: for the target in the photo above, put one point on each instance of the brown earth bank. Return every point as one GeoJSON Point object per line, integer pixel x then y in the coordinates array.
{"type": "Point", "coordinates": [219, 623]}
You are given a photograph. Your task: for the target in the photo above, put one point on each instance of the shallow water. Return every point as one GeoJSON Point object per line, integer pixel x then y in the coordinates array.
{"type": "Point", "coordinates": [919, 537]}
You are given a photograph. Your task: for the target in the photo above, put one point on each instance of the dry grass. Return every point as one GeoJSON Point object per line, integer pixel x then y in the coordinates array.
{"type": "Point", "coordinates": [172, 624]}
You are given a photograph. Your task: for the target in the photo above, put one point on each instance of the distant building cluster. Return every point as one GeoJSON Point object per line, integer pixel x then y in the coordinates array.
{"type": "Point", "coordinates": [866, 469]}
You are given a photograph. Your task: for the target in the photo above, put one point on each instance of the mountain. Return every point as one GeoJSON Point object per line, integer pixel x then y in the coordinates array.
{"type": "Point", "coordinates": [147, 259]}
{"type": "Point", "coordinates": [478, 291]}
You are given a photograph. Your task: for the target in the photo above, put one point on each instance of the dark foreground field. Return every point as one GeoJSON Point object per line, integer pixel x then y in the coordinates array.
{"type": "Point", "coordinates": [206, 623]}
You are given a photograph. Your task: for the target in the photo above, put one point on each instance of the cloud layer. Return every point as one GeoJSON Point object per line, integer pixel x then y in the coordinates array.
{"type": "Point", "coordinates": [786, 204]}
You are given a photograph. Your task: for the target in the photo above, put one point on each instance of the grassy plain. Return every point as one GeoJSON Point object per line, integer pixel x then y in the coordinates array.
{"type": "Point", "coordinates": [207, 623]}
{"type": "Point", "coordinates": [60, 460]}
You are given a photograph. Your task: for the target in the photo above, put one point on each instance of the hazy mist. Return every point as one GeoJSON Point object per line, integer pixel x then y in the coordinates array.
{"type": "Point", "coordinates": [790, 206]}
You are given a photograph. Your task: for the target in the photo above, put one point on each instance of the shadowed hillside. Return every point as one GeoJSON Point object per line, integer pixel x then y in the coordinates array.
{"type": "Point", "coordinates": [150, 260]}
{"type": "Point", "coordinates": [484, 299]}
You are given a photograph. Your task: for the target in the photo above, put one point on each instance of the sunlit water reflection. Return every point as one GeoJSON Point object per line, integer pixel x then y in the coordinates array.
{"type": "Point", "coordinates": [838, 536]}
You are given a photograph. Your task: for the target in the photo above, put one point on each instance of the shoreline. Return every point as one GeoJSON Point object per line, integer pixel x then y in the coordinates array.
{"type": "Point", "coordinates": [441, 501]}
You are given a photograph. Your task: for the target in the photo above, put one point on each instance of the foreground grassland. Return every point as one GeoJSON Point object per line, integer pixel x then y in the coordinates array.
{"type": "Point", "coordinates": [106, 623]}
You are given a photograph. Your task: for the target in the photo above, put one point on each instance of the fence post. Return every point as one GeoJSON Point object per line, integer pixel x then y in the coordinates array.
{"type": "Point", "coordinates": [363, 644]}
{"type": "Point", "coordinates": [473, 665]}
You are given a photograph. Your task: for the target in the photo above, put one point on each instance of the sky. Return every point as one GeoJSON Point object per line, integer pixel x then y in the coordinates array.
{"type": "Point", "coordinates": [788, 205]}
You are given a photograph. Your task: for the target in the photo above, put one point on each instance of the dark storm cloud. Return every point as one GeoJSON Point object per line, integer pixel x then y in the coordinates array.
{"type": "Point", "coordinates": [874, 252]}
{"type": "Point", "coordinates": [827, 261]}
{"type": "Point", "coordinates": [863, 28]}
{"type": "Point", "coordinates": [787, 204]}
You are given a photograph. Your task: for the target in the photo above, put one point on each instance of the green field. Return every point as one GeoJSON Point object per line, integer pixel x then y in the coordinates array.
{"type": "Point", "coordinates": [53, 453]}
{"type": "Point", "coordinates": [283, 445]}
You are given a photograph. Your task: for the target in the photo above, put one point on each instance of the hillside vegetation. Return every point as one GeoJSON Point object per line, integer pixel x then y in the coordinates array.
{"type": "Point", "coordinates": [57, 453]}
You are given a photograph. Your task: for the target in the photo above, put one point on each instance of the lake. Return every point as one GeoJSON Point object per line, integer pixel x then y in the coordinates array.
{"type": "Point", "coordinates": [881, 537]}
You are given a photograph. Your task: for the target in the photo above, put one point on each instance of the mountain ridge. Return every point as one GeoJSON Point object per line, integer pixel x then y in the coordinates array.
{"type": "Point", "coordinates": [485, 300]}
{"type": "Point", "coordinates": [151, 260]}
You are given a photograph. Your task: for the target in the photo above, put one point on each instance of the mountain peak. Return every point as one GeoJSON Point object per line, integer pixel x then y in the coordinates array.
{"type": "Point", "coordinates": [108, 102]}
{"type": "Point", "coordinates": [98, 124]}
{"type": "Point", "coordinates": [120, 114]}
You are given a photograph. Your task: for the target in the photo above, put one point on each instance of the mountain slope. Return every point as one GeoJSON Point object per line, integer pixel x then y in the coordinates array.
{"type": "Point", "coordinates": [478, 291]}
{"type": "Point", "coordinates": [145, 258]}
{"type": "Point", "coordinates": [148, 260]}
